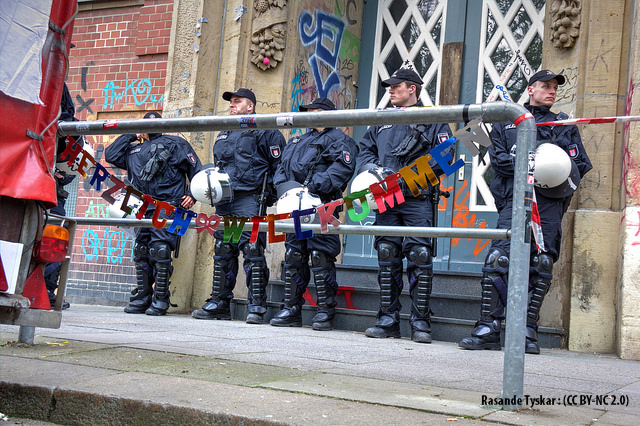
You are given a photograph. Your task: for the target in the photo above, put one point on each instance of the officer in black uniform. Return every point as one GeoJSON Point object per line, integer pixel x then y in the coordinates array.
{"type": "Point", "coordinates": [322, 161]}
{"type": "Point", "coordinates": [552, 204]}
{"type": "Point", "coordinates": [52, 270]}
{"type": "Point", "coordinates": [394, 147]}
{"type": "Point", "coordinates": [250, 158]}
{"type": "Point", "coordinates": [157, 165]}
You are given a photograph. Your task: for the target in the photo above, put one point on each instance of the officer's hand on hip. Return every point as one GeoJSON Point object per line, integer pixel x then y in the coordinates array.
{"type": "Point", "coordinates": [187, 201]}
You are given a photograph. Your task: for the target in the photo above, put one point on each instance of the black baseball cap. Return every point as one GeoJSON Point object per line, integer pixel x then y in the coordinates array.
{"type": "Point", "coordinates": [546, 75]}
{"type": "Point", "coordinates": [319, 103]}
{"type": "Point", "coordinates": [152, 114]}
{"type": "Point", "coordinates": [402, 74]}
{"type": "Point", "coordinates": [242, 92]}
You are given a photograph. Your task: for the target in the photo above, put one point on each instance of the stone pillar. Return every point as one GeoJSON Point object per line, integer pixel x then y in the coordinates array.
{"type": "Point", "coordinates": [629, 294]}
{"type": "Point", "coordinates": [594, 66]}
{"type": "Point", "coordinates": [189, 91]}
{"type": "Point", "coordinates": [219, 46]}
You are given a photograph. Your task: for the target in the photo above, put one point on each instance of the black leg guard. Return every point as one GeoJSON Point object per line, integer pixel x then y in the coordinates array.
{"type": "Point", "coordinates": [390, 281]}
{"type": "Point", "coordinates": [224, 281]}
{"type": "Point", "coordinates": [486, 334]}
{"type": "Point", "coordinates": [51, 276]}
{"type": "Point", "coordinates": [141, 295]}
{"type": "Point", "coordinates": [255, 268]}
{"type": "Point", "coordinates": [296, 279]}
{"type": "Point", "coordinates": [161, 254]}
{"type": "Point", "coordinates": [541, 274]}
{"type": "Point", "coordinates": [324, 275]}
{"type": "Point", "coordinates": [421, 282]}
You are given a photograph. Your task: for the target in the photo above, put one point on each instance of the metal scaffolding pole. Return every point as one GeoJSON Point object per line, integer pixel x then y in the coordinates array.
{"type": "Point", "coordinates": [513, 373]}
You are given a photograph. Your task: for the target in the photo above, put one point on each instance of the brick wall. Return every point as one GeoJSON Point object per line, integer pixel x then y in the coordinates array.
{"type": "Point", "coordinates": [116, 70]}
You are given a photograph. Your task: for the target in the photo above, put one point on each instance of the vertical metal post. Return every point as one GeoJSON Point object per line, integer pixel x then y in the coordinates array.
{"type": "Point", "coordinates": [513, 372]}
{"type": "Point", "coordinates": [26, 333]}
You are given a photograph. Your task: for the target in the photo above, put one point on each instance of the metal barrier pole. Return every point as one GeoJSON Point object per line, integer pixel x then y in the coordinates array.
{"type": "Point", "coordinates": [517, 299]}
{"type": "Point", "coordinates": [513, 377]}
{"type": "Point", "coordinates": [391, 231]}
{"type": "Point", "coordinates": [26, 334]}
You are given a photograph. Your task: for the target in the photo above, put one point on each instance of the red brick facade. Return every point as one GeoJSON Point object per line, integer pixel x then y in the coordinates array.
{"type": "Point", "coordinates": [117, 70]}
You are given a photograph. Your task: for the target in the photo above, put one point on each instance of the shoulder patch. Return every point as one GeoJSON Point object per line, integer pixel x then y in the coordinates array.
{"type": "Point", "coordinates": [192, 158]}
{"type": "Point", "coordinates": [346, 157]}
{"type": "Point", "coordinates": [385, 127]}
{"type": "Point", "coordinates": [443, 137]}
{"type": "Point", "coordinates": [573, 150]}
{"type": "Point", "coordinates": [275, 151]}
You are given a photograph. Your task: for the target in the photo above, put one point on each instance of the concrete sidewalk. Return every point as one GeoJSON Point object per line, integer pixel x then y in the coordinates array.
{"type": "Point", "coordinates": [107, 367]}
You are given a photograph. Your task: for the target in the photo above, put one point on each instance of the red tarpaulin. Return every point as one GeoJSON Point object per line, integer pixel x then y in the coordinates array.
{"type": "Point", "coordinates": [26, 162]}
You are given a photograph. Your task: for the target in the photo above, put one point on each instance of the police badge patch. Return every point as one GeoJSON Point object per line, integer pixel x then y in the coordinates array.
{"type": "Point", "coordinates": [192, 158]}
{"type": "Point", "coordinates": [275, 151]}
{"type": "Point", "coordinates": [573, 150]}
{"type": "Point", "coordinates": [443, 137]}
{"type": "Point", "coordinates": [346, 157]}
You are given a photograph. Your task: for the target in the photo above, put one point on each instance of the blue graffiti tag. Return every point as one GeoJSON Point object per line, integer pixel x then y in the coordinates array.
{"type": "Point", "coordinates": [327, 36]}
{"type": "Point", "coordinates": [113, 242]}
{"type": "Point", "coordinates": [140, 87]}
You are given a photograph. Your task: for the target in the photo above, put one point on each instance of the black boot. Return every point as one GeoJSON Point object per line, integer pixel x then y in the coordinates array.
{"type": "Point", "coordinates": [296, 279]}
{"type": "Point", "coordinates": [390, 281]}
{"type": "Point", "coordinates": [160, 302]}
{"type": "Point", "coordinates": [218, 305]}
{"type": "Point", "coordinates": [326, 290]}
{"type": "Point", "coordinates": [420, 293]}
{"type": "Point", "coordinates": [291, 313]}
{"type": "Point", "coordinates": [141, 295]}
{"type": "Point", "coordinates": [541, 269]}
{"type": "Point", "coordinates": [531, 343]}
{"type": "Point", "coordinates": [257, 279]}
{"type": "Point", "coordinates": [486, 333]}
{"type": "Point", "coordinates": [213, 309]}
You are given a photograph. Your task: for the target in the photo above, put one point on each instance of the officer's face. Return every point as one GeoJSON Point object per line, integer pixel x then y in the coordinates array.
{"type": "Point", "coordinates": [317, 129]}
{"type": "Point", "coordinates": [402, 94]}
{"type": "Point", "coordinates": [543, 93]}
{"type": "Point", "coordinates": [240, 106]}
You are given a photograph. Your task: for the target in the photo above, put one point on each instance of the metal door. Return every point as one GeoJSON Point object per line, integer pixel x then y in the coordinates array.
{"type": "Point", "coordinates": [502, 42]}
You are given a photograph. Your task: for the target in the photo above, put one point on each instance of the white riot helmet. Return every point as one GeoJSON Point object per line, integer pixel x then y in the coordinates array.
{"type": "Point", "coordinates": [211, 186]}
{"type": "Point", "coordinates": [555, 174]}
{"type": "Point", "coordinates": [370, 174]}
{"type": "Point", "coordinates": [115, 209]}
{"type": "Point", "coordinates": [295, 197]}
{"type": "Point", "coordinates": [64, 167]}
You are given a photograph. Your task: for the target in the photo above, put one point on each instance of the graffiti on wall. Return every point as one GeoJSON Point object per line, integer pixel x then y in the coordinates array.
{"type": "Point", "coordinates": [107, 244]}
{"type": "Point", "coordinates": [137, 91]}
{"type": "Point", "coordinates": [331, 57]}
{"type": "Point", "coordinates": [82, 104]}
{"type": "Point", "coordinates": [463, 218]}
{"type": "Point", "coordinates": [325, 34]}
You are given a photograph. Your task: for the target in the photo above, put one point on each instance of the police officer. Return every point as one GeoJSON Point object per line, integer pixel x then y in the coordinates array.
{"type": "Point", "coordinates": [52, 270]}
{"type": "Point", "coordinates": [552, 204]}
{"type": "Point", "coordinates": [322, 161]}
{"type": "Point", "coordinates": [250, 158]}
{"type": "Point", "coordinates": [393, 147]}
{"type": "Point", "coordinates": [157, 165]}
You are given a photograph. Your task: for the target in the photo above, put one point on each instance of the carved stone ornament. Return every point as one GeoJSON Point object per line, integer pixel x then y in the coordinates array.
{"type": "Point", "coordinates": [268, 34]}
{"type": "Point", "coordinates": [565, 22]}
